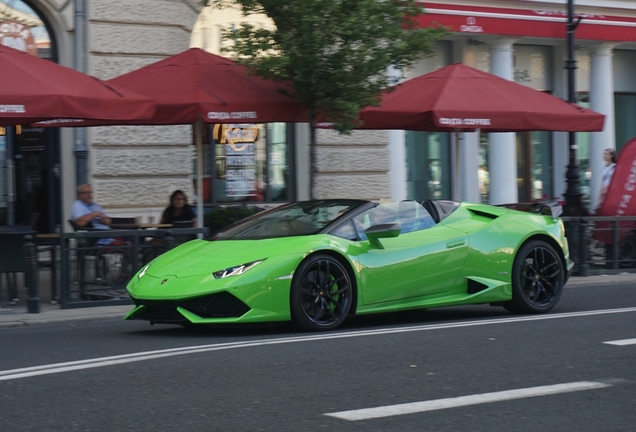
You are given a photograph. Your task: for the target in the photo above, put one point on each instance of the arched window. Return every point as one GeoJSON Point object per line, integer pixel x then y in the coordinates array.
{"type": "Point", "coordinates": [22, 28]}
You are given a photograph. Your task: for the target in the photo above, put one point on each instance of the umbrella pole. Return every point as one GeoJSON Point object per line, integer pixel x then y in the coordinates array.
{"type": "Point", "coordinates": [198, 138]}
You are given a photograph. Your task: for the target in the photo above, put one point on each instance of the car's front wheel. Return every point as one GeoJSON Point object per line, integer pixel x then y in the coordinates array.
{"type": "Point", "coordinates": [537, 279]}
{"type": "Point", "coordinates": [321, 293]}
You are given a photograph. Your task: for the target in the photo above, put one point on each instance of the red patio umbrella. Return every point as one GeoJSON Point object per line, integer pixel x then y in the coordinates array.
{"type": "Point", "coordinates": [462, 98]}
{"type": "Point", "coordinates": [34, 89]}
{"type": "Point", "coordinates": [459, 98]}
{"type": "Point", "coordinates": [195, 86]}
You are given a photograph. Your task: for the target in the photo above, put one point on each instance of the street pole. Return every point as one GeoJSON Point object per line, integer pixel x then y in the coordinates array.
{"type": "Point", "coordinates": [576, 229]}
{"type": "Point", "coordinates": [573, 203]}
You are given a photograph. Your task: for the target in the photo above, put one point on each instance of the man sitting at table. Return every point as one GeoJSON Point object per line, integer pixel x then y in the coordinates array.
{"type": "Point", "coordinates": [87, 213]}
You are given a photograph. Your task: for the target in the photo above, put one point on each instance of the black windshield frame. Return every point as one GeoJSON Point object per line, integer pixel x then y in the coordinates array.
{"type": "Point", "coordinates": [299, 218]}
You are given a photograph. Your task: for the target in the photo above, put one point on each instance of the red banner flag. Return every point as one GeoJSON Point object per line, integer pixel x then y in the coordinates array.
{"type": "Point", "coordinates": [620, 199]}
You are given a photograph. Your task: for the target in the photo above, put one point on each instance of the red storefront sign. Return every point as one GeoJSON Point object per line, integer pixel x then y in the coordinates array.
{"type": "Point", "coordinates": [620, 199]}
{"type": "Point", "coordinates": [527, 22]}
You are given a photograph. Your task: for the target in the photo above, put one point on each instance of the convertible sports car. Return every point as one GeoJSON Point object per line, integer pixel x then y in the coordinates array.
{"type": "Point", "coordinates": [317, 262]}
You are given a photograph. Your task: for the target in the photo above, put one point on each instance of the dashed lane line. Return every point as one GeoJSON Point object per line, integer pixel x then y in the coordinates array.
{"type": "Point", "coordinates": [622, 342]}
{"type": "Point", "coordinates": [462, 401]}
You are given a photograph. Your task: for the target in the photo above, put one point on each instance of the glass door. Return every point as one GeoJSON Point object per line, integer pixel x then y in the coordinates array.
{"type": "Point", "coordinates": [3, 177]}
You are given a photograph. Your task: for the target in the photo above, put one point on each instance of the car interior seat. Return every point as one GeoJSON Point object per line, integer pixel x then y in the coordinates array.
{"type": "Point", "coordinates": [430, 207]}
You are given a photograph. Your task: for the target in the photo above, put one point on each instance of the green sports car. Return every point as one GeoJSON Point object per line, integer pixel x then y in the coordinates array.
{"type": "Point", "coordinates": [317, 262]}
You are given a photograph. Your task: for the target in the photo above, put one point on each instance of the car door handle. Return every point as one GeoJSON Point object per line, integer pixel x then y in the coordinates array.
{"type": "Point", "coordinates": [454, 244]}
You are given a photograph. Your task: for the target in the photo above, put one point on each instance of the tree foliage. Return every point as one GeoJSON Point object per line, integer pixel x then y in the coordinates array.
{"type": "Point", "coordinates": [335, 52]}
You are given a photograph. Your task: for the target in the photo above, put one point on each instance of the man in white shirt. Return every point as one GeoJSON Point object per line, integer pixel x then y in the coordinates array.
{"type": "Point", "coordinates": [87, 213]}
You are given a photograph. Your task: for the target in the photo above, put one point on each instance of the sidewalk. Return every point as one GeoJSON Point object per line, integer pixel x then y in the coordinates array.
{"type": "Point", "coordinates": [15, 316]}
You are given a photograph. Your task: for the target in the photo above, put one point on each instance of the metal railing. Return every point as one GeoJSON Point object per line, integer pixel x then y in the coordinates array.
{"type": "Point", "coordinates": [97, 265]}
{"type": "Point", "coordinates": [602, 244]}
{"type": "Point", "coordinates": [94, 272]}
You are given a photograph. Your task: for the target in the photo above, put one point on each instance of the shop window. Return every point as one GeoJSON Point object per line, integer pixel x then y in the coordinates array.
{"type": "Point", "coordinates": [483, 172]}
{"type": "Point", "coordinates": [4, 193]}
{"type": "Point", "coordinates": [428, 165]}
{"type": "Point", "coordinates": [251, 163]}
{"type": "Point", "coordinates": [625, 118]}
{"type": "Point", "coordinates": [583, 153]}
{"type": "Point", "coordinates": [534, 166]}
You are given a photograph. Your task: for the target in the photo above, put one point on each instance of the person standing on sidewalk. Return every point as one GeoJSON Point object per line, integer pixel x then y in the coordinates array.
{"type": "Point", "coordinates": [609, 155]}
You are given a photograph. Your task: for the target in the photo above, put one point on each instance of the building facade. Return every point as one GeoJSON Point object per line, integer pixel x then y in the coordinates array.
{"type": "Point", "coordinates": [134, 169]}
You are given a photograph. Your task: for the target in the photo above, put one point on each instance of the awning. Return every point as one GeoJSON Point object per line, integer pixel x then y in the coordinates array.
{"type": "Point", "coordinates": [470, 19]}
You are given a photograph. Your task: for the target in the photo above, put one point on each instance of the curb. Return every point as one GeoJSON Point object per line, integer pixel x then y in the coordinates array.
{"type": "Point", "coordinates": [57, 316]}
{"type": "Point", "coordinates": [10, 318]}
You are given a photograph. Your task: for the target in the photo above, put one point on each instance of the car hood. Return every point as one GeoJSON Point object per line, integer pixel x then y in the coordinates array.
{"type": "Point", "coordinates": [200, 257]}
{"type": "Point", "coordinates": [204, 257]}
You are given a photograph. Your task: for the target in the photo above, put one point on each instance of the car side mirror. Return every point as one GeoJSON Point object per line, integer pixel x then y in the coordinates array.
{"type": "Point", "coordinates": [376, 232]}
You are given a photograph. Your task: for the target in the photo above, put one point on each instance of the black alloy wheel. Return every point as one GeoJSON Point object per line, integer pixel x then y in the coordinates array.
{"type": "Point", "coordinates": [537, 279]}
{"type": "Point", "coordinates": [321, 294]}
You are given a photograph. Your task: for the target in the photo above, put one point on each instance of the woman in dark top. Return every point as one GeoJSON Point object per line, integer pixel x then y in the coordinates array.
{"type": "Point", "coordinates": [179, 210]}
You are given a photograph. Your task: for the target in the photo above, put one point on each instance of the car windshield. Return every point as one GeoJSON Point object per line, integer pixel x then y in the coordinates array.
{"type": "Point", "coordinates": [296, 219]}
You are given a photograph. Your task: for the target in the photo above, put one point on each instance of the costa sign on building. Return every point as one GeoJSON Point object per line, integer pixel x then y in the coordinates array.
{"type": "Point", "coordinates": [17, 36]}
{"type": "Point", "coordinates": [510, 21]}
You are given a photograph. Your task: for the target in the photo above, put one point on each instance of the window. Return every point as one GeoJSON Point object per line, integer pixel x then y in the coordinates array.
{"type": "Point", "coordinates": [251, 163]}
{"type": "Point", "coordinates": [409, 215]}
{"type": "Point", "coordinates": [428, 165]}
{"type": "Point", "coordinates": [625, 113]}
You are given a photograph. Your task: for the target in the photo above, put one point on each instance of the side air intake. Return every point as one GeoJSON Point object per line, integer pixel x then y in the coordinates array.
{"type": "Point", "coordinates": [474, 287]}
{"type": "Point", "coordinates": [483, 214]}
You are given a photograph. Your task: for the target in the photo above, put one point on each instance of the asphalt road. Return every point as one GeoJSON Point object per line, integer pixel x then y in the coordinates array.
{"type": "Point", "coordinates": [454, 369]}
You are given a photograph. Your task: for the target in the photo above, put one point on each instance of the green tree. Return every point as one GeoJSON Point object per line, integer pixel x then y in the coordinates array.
{"type": "Point", "coordinates": [335, 52]}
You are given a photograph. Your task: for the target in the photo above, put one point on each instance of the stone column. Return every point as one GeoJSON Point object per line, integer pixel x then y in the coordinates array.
{"type": "Point", "coordinates": [397, 170]}
{"type": "Point", "coordinates": [469, 165]}
{"type": "Point", "coordinates": [602, 101]}
{"type": "Point", "coordinates": [397, 154]}
{"type": "Point", "coordinates": [468, 150]}
{"type": "Point", "coordinates": [502, 151]}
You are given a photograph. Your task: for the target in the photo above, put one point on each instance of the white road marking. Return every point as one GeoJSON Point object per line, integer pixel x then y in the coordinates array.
{"type": "Point", "coordinates": [622, 342]}
{"type": "Point", "coordinates": [439, 404]}
{"type": "Point", "coordinates": [151, 355]}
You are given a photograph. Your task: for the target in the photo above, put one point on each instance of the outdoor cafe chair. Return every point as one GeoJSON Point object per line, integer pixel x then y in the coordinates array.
{"type": "Point", "coordinates": [12, 257]}
{"type": "Point", "coordinates": [112, 260]}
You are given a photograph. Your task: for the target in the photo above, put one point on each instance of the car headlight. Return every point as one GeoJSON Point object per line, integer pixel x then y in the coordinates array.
{"type": "Point", "coordinates": [236, 270]}
{"type": "Point", "coordinates": [143, 271]}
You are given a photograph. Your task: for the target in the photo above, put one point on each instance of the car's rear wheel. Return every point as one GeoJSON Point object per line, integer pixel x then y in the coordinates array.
{"type": "Point", "coordinates": [321, 293]}
{"type": "Point", "coordinates": [537, 279]}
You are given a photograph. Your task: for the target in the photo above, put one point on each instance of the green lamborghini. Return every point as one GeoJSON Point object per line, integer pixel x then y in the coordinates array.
{"type": "Point", "coordinates": [317, 262]}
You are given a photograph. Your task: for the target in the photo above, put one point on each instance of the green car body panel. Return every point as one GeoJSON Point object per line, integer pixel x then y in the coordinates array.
{"type": "Point", "coordinates": [473, 246]}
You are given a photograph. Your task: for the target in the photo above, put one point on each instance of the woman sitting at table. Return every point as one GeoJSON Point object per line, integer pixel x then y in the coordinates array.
{"type": "Point", "coordinates": [179, 210]}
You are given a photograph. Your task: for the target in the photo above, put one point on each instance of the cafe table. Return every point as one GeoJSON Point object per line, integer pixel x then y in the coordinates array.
{"type": "Point", "coordinates": [140, 225]}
